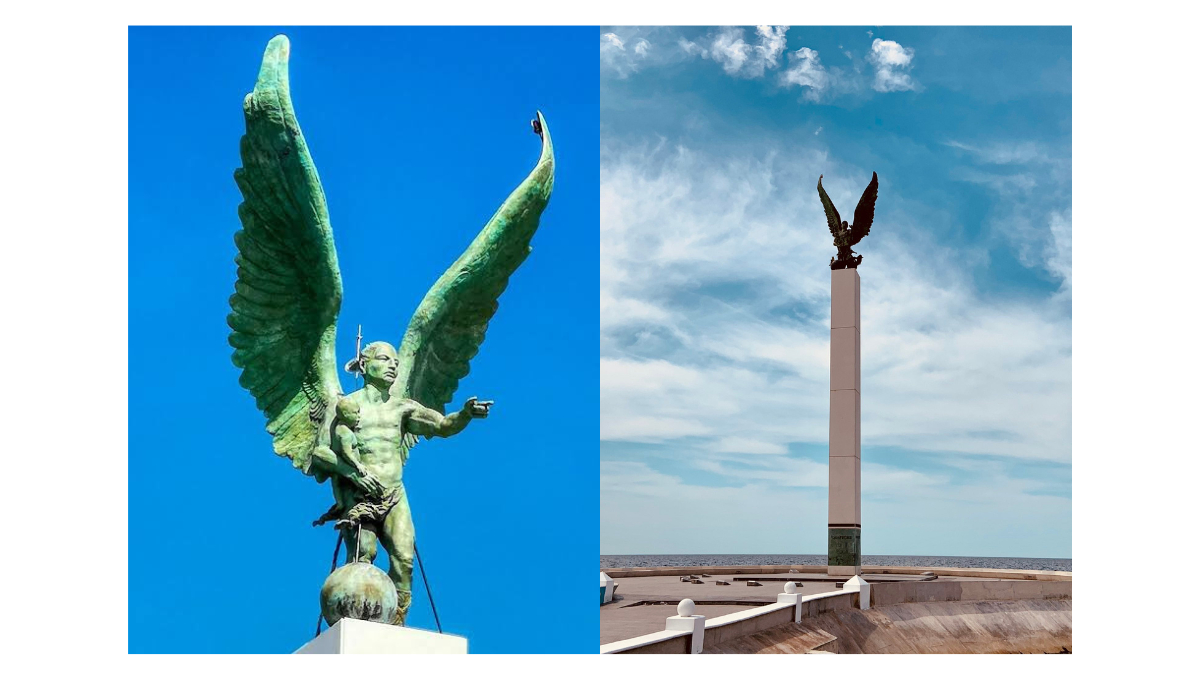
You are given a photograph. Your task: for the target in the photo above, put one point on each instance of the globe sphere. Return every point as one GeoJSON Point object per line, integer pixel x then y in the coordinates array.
{"type": "Point", "coordinates": [358, 591]}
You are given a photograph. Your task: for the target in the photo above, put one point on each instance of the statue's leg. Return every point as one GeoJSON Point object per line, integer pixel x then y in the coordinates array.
{"type": "Point", "coordinates": [367, 543]}
{"type": "Point", "coordinates": [398, 539]}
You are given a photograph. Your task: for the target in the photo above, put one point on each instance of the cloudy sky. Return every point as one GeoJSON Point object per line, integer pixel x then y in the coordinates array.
{"type": "Point", "coordinates": [714, 292]}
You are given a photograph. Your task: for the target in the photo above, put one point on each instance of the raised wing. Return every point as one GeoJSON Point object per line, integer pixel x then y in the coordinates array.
{"type": "Point", "coordinates": [831, 213]}
{"type": "Point", "coordinates": [288, 289]}
{"type": "Point", "coordinates": [864, 212]}
{"type": "Point", "coordinates": [448, 326]}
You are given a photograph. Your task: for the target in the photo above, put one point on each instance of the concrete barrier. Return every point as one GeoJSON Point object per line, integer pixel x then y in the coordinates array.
{"type": "Point", "coordinates": [789, 609]}
{"type": "Point", "coordinates": [860, 595]}
{"type": "Point", "coordinates": [662, 642]}
{"type": "Point", "coordinates": [884, 594]}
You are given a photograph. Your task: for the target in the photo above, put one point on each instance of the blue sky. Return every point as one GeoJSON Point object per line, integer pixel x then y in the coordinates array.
{"type": "Point", "coordinates": [714, 286]}
{"type": "Point", "coordinates": [418, 135]}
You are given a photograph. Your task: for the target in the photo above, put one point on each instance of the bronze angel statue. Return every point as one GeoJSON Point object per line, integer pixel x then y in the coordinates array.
{"type": "Point", "coordinates": [846, 235]}
{"type": "Point", "coordinates": [284, 318]}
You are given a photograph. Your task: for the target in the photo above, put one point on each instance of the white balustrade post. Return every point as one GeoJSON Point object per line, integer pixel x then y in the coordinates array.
{"type": "Point", "coordinates": [790, 596]}
{"type": "Point", "coordinates": [864, 591]}
{"type": "Point", "coordinates": [690, 621]}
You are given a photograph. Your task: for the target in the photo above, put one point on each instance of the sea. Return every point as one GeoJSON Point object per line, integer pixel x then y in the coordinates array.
{"type": "Point", "coordinates": [627, 561]}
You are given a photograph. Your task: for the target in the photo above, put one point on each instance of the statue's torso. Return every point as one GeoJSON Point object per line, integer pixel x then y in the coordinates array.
{"type": "Point", "coordinates": [380, 436]}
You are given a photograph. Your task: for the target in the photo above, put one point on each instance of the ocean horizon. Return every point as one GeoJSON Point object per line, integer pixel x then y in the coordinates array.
{"type": "Point", "coordinates": [941, 561]}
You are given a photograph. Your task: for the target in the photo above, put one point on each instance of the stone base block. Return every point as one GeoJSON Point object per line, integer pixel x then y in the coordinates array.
{"type": "Point", "coordinates": [350, 636]}
{"type": "Point", "coordinates": [844, 571]}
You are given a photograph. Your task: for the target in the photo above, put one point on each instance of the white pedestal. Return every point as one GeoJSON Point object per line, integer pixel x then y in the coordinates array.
{"type": "Point", "coordinates": [864, 591]}
{"type": "Point", "coordinates": [351, 636]}
{"type": "Point", "coordinates": [792, 596]}
{"type": "Point", "coordinates": [693, 624]}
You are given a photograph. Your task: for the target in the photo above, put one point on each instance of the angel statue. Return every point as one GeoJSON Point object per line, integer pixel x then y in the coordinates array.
{"type": "Point", "coordinates": [284, 318]}
{"type": "Point", "coordinates": [845, 235]}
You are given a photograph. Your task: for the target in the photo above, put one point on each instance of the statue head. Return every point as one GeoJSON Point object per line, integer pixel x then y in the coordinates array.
{"type": "Point", "coordinates": [348, 412]}
{"type": "Point", "coordinates": [379, 363]}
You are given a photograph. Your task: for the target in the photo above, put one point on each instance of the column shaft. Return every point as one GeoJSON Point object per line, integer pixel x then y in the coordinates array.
{"type": "Point", "coordinates": [845, 417]}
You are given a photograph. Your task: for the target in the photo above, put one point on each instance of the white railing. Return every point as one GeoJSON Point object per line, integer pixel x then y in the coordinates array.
{"type": "Point", "coordinates": [687, 622]}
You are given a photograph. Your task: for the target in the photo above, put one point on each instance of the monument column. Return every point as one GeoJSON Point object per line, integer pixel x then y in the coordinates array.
{"type": "Point", "coordinates": [845, 408]}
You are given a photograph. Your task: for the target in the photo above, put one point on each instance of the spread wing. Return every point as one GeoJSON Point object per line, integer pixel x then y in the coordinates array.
{"type": "Point", "coordinates": [831, 213]}
{"type": "Point", "coordinates": [288, 289]}
{"type": "Point", "coordinates": [864, 213]}
{"type": "Point", "coordinates": [448, 326]}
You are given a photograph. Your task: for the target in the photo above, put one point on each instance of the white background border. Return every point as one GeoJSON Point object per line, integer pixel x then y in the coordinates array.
{"type": "Point", "coordinates": [65, 282]}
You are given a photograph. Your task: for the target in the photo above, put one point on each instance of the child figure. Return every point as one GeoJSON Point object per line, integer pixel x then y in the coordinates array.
{"type": "Point", "coordinates": [345, 445]}
{"type": "Point", "coordinates": [354, 488]}
{"type": "Point", "coordinates": [345, 442]}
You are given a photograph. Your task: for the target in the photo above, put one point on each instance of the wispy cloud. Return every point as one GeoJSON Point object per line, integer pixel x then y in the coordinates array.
{"type": "Point", "coordinates": [997, 153]}
{"type": "Point", "coordinates": [757, 514]}
{"type": "Point", "coordinates": [737, 57]}
{"type": "Point", "coordinates": [805, 70]}
{"type": "Point", "coordinates": [620, 59]}
{"type": "Point", "coordinates": [1032, 186]}
{"type": "Point", "coordinates": [892, 61]}
{"type": "Point", "coordinates": [625, 51]}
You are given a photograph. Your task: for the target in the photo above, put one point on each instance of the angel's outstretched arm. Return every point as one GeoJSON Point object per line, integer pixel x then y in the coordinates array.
{"type": "Point", "coordinates": [429, 423]}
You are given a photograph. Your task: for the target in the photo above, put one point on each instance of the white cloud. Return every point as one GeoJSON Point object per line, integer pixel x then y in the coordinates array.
{"type": "Point", "coordinates": [617, 59]}
{"type": "Point", "coordinates": [610, 43]}
{"type": "Point", "coordinates": [805, 70]}
{"type": "Point", "coordinates": [744, 445]}
{"type": "Point", "coordinates": [1031, 185]}
{"type": "Point", "coordinates": [996, 153]}
{"type": "Point", "coordinates": [692, 48]}
{"type": "Point", "coordinates": [737, 57]}
{"type": "Point", "coordinates": [626, 50]}
{"type": "Point", "coordinates": [1058, 250]}
{"type": "Point", "coordinates": [819, 128]}
{"type": "Point", "coordinates": [643, 510]}
{"type": "Point", "coordinates": [892, 62]}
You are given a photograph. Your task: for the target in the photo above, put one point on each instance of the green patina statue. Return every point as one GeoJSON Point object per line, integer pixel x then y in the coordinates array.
{"type": "Point", "coordinates": [284, 318]}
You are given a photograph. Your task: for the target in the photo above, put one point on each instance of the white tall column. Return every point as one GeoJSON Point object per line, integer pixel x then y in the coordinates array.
{"type": "Point", "coordinates": [845, 411]}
